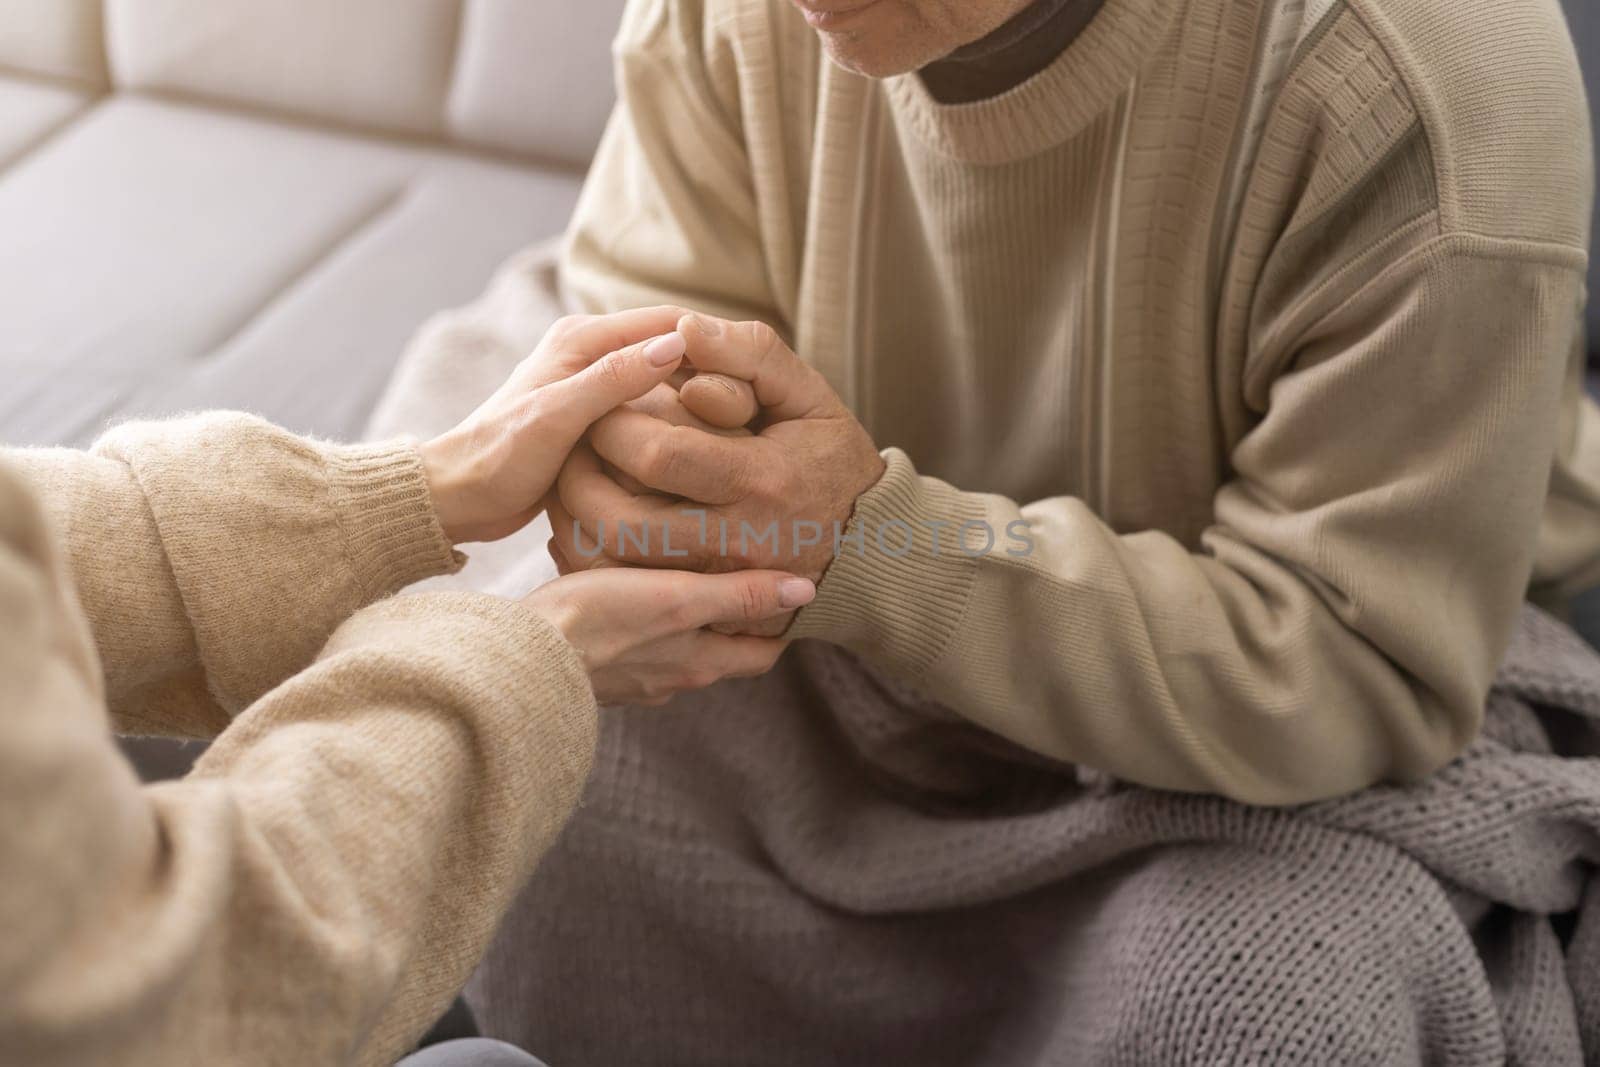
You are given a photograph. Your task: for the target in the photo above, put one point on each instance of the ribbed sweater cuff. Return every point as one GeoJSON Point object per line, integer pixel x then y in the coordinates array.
{"type": "Point", "coordinates": [898, 594]}
{"type": "Point", "coordinates": [392, 532]}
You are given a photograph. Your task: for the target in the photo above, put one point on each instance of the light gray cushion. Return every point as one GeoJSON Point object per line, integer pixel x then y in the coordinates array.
{"type": "Point", "coordinates": [534, 76]}
{"type": "Point", "coordinates": [58, 39]}
{"type": "Point", "coordinates": [529, 77]}
{"type": "Point", "coordinates": [159, 258]}
{"type": "Point", "coordinates": [31, 111]}
{"type": "Point", "coordinates": [380, 64]}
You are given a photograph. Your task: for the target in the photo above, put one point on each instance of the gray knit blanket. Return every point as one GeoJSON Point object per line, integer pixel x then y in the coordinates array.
{"type": "Point", "coordinates": [819, 868]}
{"type": "Point", "coordinates": [822, 867]}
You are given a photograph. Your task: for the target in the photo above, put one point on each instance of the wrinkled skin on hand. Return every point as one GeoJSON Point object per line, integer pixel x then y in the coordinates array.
{"type": "Point", "coordinates": [796, 467]}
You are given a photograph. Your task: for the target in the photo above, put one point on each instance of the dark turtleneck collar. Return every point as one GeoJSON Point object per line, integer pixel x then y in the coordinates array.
{"type": "Point", "coordinates": [1009, 56]}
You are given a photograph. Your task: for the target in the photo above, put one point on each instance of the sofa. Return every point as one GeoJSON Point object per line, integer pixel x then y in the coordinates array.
{"type": "Point", "coordinates": [253, 204]}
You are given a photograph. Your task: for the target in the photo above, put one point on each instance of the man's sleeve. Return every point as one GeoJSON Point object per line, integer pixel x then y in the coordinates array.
{"type": "Point", "coordinates": [669, 213]}
{"type": "Point", "coordinates": [214, 555]}
{"type": "Point", "coordinates": [1340, 622]}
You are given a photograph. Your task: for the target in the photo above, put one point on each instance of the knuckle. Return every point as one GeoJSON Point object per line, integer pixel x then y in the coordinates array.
{"type": "Point", "coordinates": [663, 453]}
{"type": "Point", "coordinates": [762, 338]}
{"type": "Point", "coordinates": [752, 601]}
{"type": "Point", "coordinates": [610, 371]}
{"type": "Point", "coordinates": [655, 456]}
{"type": "Point", "coordinates": [564, 327]}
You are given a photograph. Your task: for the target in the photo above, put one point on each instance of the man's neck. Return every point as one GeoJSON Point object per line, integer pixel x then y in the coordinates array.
{"type": "Point", "coordinates": [1009, 56]}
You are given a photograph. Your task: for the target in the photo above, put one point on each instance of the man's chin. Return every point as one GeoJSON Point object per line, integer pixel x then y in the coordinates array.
{"type": "Point", "coordinates": [861, 56]}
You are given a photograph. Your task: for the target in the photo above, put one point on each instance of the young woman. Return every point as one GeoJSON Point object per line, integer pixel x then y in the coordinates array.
{"type": "Point", "coordinates": [385, 770]}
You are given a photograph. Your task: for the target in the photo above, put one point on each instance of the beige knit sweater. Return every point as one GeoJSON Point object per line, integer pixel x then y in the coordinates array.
{"type": "Point", "coordinates": [1264, 313]}
{"type": "Point", "coordinates": [384, 773]}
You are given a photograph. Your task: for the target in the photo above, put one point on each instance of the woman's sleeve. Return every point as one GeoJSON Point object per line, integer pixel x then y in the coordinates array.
{"type": "Point", "coordinates": [322, 883]}
{"type": "Point", "coordinates": [214, 555]}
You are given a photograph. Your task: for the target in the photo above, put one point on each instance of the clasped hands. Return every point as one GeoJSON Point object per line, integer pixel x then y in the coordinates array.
{"type": "Point", "coordinates": [673, 427]}
{"type": "Point", "coordinates": [747, 459]}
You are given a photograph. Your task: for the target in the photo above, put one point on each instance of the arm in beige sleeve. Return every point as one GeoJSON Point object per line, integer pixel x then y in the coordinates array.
{"type": "Point", "coordinates": [669, 212]}
{"type": "Point", "coordinates": [322, 884]}
{"type": "Point", "coordinates": [1341, 620]}
{"type": "Point", "coordinates": [214, 555]}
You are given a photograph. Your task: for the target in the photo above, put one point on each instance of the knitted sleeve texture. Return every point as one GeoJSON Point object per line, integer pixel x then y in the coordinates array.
{"type": "Point", "coordinates": [214, 555]}
{"type": "Point", "coordinates": [322, 883]}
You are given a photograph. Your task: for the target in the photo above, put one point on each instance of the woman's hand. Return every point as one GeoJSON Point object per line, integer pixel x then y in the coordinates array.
{"type": "Point", "coordinates": [641, 633]}
{"type": "Point", "coordinates": [489, 474]}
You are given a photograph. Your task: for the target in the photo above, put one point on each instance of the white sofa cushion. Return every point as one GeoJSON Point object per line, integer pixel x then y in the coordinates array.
{"type": "Point", "coordinates": [160, 257]}
{"type": "Point", "coordinates": [530, 77]}
{"type": "Point", "coordinates": [534, 76]}
{"type": "Point", "coordinates": [55, 38]}
{"type": "Point", "coordinates": [31, 111]}
{"type": "Point", "coordinates": [384, 64]}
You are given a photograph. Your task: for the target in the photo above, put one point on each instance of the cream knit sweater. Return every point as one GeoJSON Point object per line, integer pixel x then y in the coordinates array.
{"type": "Point", "coordinates": [385, 770]}
{"type": "Point", "coordinates": [1264, 313]}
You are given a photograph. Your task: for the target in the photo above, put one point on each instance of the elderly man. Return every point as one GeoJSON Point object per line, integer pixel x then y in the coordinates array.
{"type": "Point", "coordinates": [1223, 356]}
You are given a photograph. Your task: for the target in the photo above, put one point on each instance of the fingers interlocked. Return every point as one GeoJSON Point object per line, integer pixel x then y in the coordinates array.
{"type": "Point", "coordinates": [681, 481]}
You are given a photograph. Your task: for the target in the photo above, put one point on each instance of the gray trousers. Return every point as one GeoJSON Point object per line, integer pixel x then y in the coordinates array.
{"type": "Point", "coordinates": [470, 1052]}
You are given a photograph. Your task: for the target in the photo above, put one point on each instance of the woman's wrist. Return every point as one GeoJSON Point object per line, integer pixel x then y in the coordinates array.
{"type": "Point", "coordinates": [461, 480]}
{"type": "Point", "coordinates": [441, 468]}
{"type": "Point", "coordinates": [391, 529]}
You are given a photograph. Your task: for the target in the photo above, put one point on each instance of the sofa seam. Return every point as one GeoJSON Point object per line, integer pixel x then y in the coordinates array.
{"type": "Point", "coordinates": [384, 207]}
{"type": "Point", "coordinates": [49, 136]}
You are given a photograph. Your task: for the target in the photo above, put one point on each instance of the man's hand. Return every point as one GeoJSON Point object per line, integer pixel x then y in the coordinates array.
{"type": "Point", "coordinates": [712, 403]}
{"type": "Point", "coordinates": [773, 499]}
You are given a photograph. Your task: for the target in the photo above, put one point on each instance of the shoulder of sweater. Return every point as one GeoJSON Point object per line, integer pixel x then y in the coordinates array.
{"type": "Point", "coordinates": [700, 28]}
{"type": "Point", "coordinates": [722, 40]}
{"type": "Point", "coordinates": [1494, 89]}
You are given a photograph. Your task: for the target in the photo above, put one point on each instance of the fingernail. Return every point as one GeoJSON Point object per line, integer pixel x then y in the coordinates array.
{"type": "Point", "coordinates": [795, 593]}
{"type": "Point", "coordinates": [666, 349]}
{"type": "Point", "coordinates": [708, 327]}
